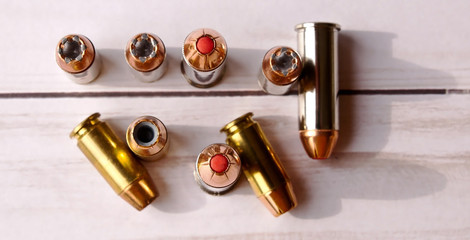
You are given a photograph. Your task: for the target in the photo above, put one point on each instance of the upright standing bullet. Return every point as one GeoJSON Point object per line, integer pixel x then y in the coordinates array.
{"type": "Point", "coordinates": [204, 54]}
{"type": "Point", "coordinates": [318, 88]}
{"type": "Point", "coordinates": [113, 160]}
{"type": "Point", "coordinates": [145, 53]}
{"type": "Point", "coordinates": [77, 57]}
{"type": "Point", "coordinates": [261, 164]}
{"type": "Point", "coordinates": [148, 138]}
{"type": "Point", "coordinates": [217, 168]}
{"type": "Point", "coordinates": [280, 69]}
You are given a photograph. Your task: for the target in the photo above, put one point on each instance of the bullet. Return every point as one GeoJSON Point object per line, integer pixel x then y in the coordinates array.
{"type": "Point", "coordinates": [145, 54]}
{"type": "Point", "coordinates": [217, 168]}
{"type": "Point", "coordinates": [260, 164]}
{"type": "Point", "coordinates": [148, 138]}
{"type": "Point", "coordinates": [77, 57]}
{"type": "Point", "coordinates": [280, 69]}
{"type": "Point", "coordinates": [113, 160]}
{"type": "Point", "coordinates": [318, 88]}
{"type": "Point", "coordinates": [204, 54]}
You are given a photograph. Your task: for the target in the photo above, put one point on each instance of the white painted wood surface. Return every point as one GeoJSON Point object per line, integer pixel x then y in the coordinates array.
{"type": "Point", "coordinates": [401, 169]}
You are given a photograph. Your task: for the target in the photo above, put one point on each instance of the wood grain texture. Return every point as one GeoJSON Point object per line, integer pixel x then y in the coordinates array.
{"type": "Point", "coordinates": [401, 169]}
{"type": "Point", "coordinates": [418, 45]}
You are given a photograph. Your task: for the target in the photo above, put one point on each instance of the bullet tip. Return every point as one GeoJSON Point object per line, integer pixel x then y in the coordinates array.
{"type": "Point", "coordinates": [279, 200]}
{"type": "Point", "coordinates": [140, 193]}
{"type": "Point", "coordinates": [319, 144]}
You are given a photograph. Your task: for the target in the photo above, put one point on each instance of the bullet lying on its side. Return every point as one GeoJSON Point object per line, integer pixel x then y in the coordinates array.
{"type": "Point", "coordinates": [318, 88]}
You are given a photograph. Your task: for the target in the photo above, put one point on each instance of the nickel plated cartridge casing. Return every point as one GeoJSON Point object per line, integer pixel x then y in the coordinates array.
{"type": "Point", "coordinates": [77, 57]}
{"type": "Point", "coordinates": [113, 160]}
{"type": "Point", "coordinates": [145, 53]}
{"type": "Point", "coordinates": [217, 168]}
{"type": "Point", "coordinates": [318, 88]}
{"type": "Point", "coordinates": [261, 164]}
{"type": "Point", "coordinates": [280, 69]}
{"type": "Point", "coordinates": [148, 138]}
{"type": "Point", "coordinates": [204, 54]}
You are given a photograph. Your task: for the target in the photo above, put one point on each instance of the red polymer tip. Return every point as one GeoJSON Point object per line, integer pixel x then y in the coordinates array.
{"type": "Point", "coordinates": [219, 163]}
{"type": "Point", "coordinates": [205, 45]}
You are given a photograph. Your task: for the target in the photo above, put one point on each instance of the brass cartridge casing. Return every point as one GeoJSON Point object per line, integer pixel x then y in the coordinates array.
{"type": "Point", "coordinates": [261, 164]}
{"type": "Point", "coordinates": [113, 160]}
{"type": "Point", "coordinates": [318, 88]}
{"type": "Point", "coordinates": [145, 54]}
{"type": "Point", "coordinates": [148, 138]}
{"type": "Point", "coordinates": [280, 69]}
{"type": "Point", "coordinates": [77, 57]}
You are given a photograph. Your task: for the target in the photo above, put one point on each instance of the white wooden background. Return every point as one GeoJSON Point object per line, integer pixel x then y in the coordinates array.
{"type": "Point", "coordinates": [401, 169]}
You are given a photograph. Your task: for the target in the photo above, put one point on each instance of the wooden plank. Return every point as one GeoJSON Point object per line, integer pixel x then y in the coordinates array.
{"type": "Point", "coordinates": [409, 52]}
{"type": "Point", "coordinates": [401, 170]}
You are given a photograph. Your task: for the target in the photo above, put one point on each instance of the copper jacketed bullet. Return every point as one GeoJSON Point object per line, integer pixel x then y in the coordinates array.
{"type": "Point", "coordinates": [113, 160]}
{"type": "Point", "coordinates": [260, 164]}
{"type": "Point", "coordinates": [77, 57]}
{"type": "Point", "coordinates": [318, 88]}
{"type": "Point", "coordinates": [148, 138]}
{"type": "Point", "coordinates": [145, 53]}
{"type": "Point", "coordinates": [280, 69]}
{"type": "Point", "coordinates": [217, 168]}
{"type": "Point", "coordinates": [204, 54]}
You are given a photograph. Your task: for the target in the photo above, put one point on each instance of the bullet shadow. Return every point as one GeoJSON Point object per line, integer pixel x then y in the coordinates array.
{"type": "Point", "coordinates": [173, 173]}
{"type": "Point", "coordinates": [241, 66]}
{"type": "Point", "coordinates": [320, 186]}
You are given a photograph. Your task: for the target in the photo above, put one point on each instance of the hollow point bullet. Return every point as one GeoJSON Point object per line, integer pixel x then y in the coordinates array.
{"type": "Point", "coordinates": [77, 57]}
{"type": "Point", "coordinates": [280, 69]}
{"type": "Point", "coordinates": [146, 56]}
{"type": "Point", "coordinates": [148, 138]}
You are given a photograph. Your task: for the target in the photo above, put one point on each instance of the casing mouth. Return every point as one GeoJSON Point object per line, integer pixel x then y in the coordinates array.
{"type": "Point", "coordinates": [317, 25]}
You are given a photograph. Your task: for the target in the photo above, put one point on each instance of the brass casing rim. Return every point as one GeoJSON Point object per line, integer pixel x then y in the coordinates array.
{"type": "Point", "coordinates": [91, 120]}
{"type": "Point", "coordinates": [152, 152]}
{"type": "Point", "coordinates": [204, 62]}
{"type": "Point", "coordinates": [151, 63]}
{"type": "Point", "coordinates": [228, 126]}
{"type": "Point", "coordinates": [74, 66]}
{"type": "Point", "coordinates": [273, 76]}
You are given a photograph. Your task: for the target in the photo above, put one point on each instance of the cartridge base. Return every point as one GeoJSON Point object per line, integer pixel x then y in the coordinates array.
{"type": "Point", "coordinates": [319, 144]}
{"type": "Point", "coordinates": [279, 200]}
{"type": "Point", "coordinates": [140, 193]}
